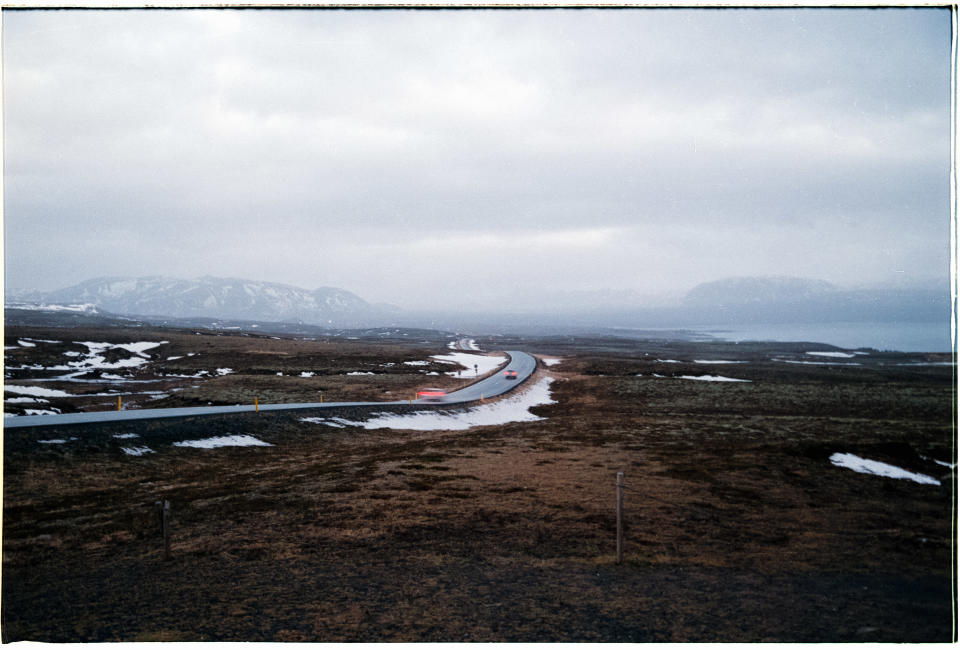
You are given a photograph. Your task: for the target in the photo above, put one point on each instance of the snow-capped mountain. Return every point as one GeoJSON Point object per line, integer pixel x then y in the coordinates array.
{"type": "Point", "coordinates": [216, 297]}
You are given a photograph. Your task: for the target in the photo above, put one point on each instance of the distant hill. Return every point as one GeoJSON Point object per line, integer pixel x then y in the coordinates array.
{"type": "Point", "coordinates": [227, 298]}
{"type": "Point", "coordinates": [757, 290]}
{"type": "Point", "coordinates": [741, 301]}
{"type": "Point", "coordinates": [789, 299]}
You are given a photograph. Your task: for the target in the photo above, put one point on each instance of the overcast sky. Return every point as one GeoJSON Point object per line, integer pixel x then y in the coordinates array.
{"type": "Point", "coordinates": [429, 158]}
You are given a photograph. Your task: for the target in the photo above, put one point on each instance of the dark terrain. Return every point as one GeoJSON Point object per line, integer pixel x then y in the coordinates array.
{"type": "Point", "coordinates": [738, 526]}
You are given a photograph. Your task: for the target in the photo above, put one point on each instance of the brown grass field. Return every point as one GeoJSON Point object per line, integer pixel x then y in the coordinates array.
{"type": "Point", "coordinates": [738, 528]}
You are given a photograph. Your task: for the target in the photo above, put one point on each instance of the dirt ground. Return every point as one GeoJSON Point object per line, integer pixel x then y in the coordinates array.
{"type": "Point", "coordinates": [738, 528]}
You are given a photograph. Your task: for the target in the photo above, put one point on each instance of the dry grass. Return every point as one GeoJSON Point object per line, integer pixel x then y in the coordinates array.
{"type": "Point", "coordinates": [506, 533]}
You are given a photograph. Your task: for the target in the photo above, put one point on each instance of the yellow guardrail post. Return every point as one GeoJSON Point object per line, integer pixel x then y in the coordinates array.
{"type": "Point", "coordinates": [256, 404]}
{"type": "Point", "coordinates": [119, 403]}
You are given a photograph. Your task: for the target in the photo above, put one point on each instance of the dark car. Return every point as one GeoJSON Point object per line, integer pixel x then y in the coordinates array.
{"type": "Point", "coordinates": [510, 374]}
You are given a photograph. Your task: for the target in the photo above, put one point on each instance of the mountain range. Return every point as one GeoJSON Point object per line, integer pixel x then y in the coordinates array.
{"type": "Point", "coordinates": [212, 297]}
{"type": "Point", "coordinates": [729, 301]}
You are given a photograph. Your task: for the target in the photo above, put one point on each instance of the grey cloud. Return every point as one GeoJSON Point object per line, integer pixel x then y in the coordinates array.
{"type": "Point", "coordinates": [319, 147]}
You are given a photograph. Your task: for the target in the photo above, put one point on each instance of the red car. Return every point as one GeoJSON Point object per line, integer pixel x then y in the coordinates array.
{"type": "Point", "coordinates": [431, 394]}
{"type": "Point", "coordinates": [510, 374]}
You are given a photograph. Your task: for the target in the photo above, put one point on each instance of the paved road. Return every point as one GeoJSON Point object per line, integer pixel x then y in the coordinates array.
{"type": "Point", "coordinates": [492, 386]}
{"type": "Point", "coordinates": [495, 384]}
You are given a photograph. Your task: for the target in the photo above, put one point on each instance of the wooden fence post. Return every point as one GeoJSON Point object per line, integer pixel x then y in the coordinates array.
{"type": "Point", "coordinates": [164, 510]}
{"type": "Point", "coordinates": [619, 517]}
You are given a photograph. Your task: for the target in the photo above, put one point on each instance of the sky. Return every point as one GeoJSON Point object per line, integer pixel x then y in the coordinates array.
{"type": "Point", "coordinates": [477, 158]}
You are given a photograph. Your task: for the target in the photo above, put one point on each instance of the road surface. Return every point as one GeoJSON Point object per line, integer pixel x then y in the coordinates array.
{"type": "Point", "coordinates": [491, 386]}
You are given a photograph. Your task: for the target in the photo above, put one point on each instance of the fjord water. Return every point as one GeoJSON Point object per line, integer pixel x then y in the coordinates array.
{"type": "Point", "coordinates": [901, 336]}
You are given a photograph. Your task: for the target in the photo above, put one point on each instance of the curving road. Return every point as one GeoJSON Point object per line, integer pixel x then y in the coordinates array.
{"type": "Point", "coordinates": [492, 386]}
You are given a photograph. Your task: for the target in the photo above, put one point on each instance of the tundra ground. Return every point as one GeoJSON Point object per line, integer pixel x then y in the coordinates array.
{"type": "Point", "coordinates": [737, 525]}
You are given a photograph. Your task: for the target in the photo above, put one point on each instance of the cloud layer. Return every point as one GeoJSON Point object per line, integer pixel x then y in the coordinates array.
{"type": "Point", "coordinates": [442, 157]}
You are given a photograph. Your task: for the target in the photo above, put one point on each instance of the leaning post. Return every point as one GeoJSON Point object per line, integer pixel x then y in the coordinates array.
{"type": "Point", "coordinates": [163, 509]}
{"type": "Point", "coordinates": [166, 530]}
{"type": "Point", "coordinates": [619, 517]}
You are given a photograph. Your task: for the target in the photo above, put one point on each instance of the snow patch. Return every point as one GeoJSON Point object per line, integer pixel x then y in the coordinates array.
{"type": "Point", "coordinates": [512, 409]}
{"type": "Point", "coordinates": [88, 307]}
{"type": "Point", "coordinates": [306, 374]}
{"type": "Point", "coordinates": [223, 441]}
{"type": "Point", "coordinates": [27, 344]}
{"type": "Point", "coordinates": [711, 378]}
{"type": "Point", "coordinates": [224, 371]}
{"type": "Point", "coordinates": [836, 355]}
{"type": "Point", "coordinates": [139, 348]}
{"type": "Point", "coordinates": [338, 423]}
{"type": "Point", "coordinates": [483, 363]}
{"type": "Point", "coordinates": [136, 451]}
{"type": "Point", "coordinates": [125, 436]}
{"type": "Point", "coordinates": [715, 361]}
{"type": "Point", "coordinates": [552, 362]}
{"type": "Point", "coordinates": [94, 359]}
{"type": "Point", "coordinates": [56, 441]}
{"type": "Point", "coordinates": [37, 391]}
{"type": "Point", "coordinates": [818, 363]}
{"type": "Point", "coordinates": [942, 463]}
{"type": "Point", "coordinates": [866, 466]}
